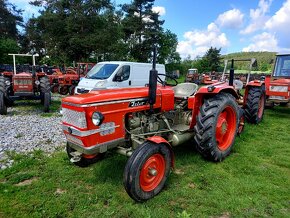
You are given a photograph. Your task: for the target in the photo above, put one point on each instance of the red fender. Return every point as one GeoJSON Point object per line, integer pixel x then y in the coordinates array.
{"type": "Point", "coordinates": [160, 140]}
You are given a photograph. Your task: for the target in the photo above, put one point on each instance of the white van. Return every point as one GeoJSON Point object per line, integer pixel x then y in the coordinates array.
{"type": "Point", "coordinates": [117, 74]}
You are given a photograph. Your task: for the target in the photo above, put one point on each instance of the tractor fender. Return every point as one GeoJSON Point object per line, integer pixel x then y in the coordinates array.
{"type": "Point", "coordinates": [160, 140]}
{"type": "Point", "coordinates": [196, 101]}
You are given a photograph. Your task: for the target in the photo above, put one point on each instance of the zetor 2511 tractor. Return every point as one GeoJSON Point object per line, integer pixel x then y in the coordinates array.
{"type": "Point", "coordinates": [23, 85]}
{"type": "Point", "coordinates": [278, 85]}
{"type": "Point", "coordinates": [146, 123]}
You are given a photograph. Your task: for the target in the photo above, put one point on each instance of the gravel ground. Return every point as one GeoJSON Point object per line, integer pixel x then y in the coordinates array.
{"type": "Point", "coordinates": [23, 131]}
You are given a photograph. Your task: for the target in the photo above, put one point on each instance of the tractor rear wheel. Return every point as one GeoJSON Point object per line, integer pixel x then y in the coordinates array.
{"type": "Point", "coordinates": [3, 107]}
{"type": "Point", "coordinates": [5, 89]}
{"type": "Point", "coordinates": [46, 102]}
{"type": "Point", "coordinates": [255, 105]}
{"type": "Point", "coordinates": [44, 88]}
{"type": "Point", "coordinates": [216, 126]}
{"type": "Point", "coordinates": [85, 160]}
{"type": "Point", "coordinates": [72, 90]}
{"type": "Point", "coordinates": [146, 171]}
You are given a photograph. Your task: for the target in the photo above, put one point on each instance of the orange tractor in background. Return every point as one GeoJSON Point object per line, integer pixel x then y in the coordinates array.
{"type": "Point", "coordinates": [146, 123]}
{"type": "Point", "coordinates": [278, 84]}
{"type": "Point", "coordinates": [24, 85]}
{"type": "Point", "coordinates": [68, 81]}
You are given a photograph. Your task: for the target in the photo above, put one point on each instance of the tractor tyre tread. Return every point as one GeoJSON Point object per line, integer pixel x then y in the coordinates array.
{"type": "Point", "coordinates": [252, 105]}
{"type": "Point", "coordinates": [205, 124]}
{"type": "Point", "coordinates": [131, 177]}
{"type": "Point", "coordinates": [3, 107]}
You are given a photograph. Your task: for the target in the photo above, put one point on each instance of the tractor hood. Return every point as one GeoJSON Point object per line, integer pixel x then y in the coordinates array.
{"type": "Point", "coordinates": [105, 95]}
{"type": "Point", "coordinates": [23, 75]}
{"type": "Point", "coordinates": [280, 82]}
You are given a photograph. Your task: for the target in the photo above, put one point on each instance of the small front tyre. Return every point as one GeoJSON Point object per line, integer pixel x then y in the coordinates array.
{"type": "Point", "coordinates": [146, 171]}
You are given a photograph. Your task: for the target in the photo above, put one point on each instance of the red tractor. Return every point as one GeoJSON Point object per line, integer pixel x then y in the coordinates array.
{"type": "Point", "coordinates": [24, 85]}
{"type": "Point", "coordinates": [68, 81]}
{"type": "Point", "coordinates": [278, 84]}
{"type": "Point", "coordinates": [146, 124]}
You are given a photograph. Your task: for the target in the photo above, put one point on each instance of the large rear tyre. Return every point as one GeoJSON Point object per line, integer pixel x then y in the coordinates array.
{"type": "Point", "coordinates": [255, 105]}
{"type": "Point", "coordinates": [6, 90]}
{"type": "Point", "coordinates": [46, 102]}
{"type": "Point", "coordinates": [85, 160]}
{"type": "Point", "coordinates": [146, 171]}
{"type": "Point", "coordinates": [3, 107]}
{"type": "Point", "coordinates": [72, 90]}
{"type": "Point", "coordinates": [216, 126]}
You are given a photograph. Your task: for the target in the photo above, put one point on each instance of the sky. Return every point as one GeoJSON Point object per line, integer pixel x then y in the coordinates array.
{"type": "Point", "coordinates": [232, 25]}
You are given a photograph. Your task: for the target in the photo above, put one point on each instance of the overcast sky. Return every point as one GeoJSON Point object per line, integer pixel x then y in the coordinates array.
{"type": "Point", "coordinates": [233, 25]}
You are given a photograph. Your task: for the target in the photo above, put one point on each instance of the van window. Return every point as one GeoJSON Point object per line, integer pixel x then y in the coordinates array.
{"type": "Point", "coordinates": [102, 71]}
{"type": "Point", "coordinates": [124, 72]}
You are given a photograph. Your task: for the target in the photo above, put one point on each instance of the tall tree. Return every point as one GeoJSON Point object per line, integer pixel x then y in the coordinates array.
{"type": "Point", "coordinates": [73, 30]}
{"type": "Point", "coordinates": [10, 18]}
{"type": "Point", "coordinates": [142, 29]}
{"type": "Point", "coordinates": [213, 58]}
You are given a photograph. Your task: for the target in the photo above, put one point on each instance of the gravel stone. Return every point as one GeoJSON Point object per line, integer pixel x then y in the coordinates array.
{"type": "Point", "coordinates": [23, 131]}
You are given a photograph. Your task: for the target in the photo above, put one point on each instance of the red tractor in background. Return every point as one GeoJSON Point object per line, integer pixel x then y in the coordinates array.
{"type": "Point", "coordinates": [68, 81]}
{"type": "Point", "coordinates": [24, 85]}
{"type": "Point", "coordinates": [146, 123]}
{"type": "Point", "coordinates": [278, 84]}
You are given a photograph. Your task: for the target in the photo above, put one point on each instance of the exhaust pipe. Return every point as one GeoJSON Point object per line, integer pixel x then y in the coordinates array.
{"type": "Point", "coordinates": [232, 71]}
{"type": "Point", "coordinates": [153, 82]}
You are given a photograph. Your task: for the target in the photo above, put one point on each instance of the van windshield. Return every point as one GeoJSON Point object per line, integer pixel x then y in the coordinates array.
{"type": "Point", "coordinates": [102, 71]}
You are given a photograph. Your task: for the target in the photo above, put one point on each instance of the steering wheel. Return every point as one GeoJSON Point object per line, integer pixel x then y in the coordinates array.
{"type": "Point", "coordinates": [164, 82]}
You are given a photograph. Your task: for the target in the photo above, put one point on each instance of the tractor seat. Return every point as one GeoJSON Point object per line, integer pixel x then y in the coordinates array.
{"type": "Point", "coordinates": [184, 90]}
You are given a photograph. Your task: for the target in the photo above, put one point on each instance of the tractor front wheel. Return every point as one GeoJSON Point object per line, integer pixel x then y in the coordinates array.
{"type": "Point", "coordinates": [216, 126]}
{"type": "Point", "coordinates": [146, 171]}
{"type": "Point", "coordinates": [255, 105]}
{"type": "Point", "coordinates": [3, 107]}
{"type": "Point", "coordinates": [84, 160]}
{"type": "Point", "coordinates": [63, 90]}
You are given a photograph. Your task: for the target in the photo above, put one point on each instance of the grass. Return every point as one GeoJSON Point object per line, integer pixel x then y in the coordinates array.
{"type": "Point", "coordinates": [254, 181]}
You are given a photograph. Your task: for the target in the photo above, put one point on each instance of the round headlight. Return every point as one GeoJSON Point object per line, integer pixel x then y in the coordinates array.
{"type": "Point", "coordinates": [7, 83]}
{"type": "Point", "coordinates": [37, 82]}
{"type": "Point", "coordinates": [97, 118]}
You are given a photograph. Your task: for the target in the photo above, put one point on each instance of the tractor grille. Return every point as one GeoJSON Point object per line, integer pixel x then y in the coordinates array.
{"type": "Point", "coordinates": [279, 88]}
{"type": "Point", "coordinates": [22, 82]}
{"type": "Point", "coordinates": [74, 118]}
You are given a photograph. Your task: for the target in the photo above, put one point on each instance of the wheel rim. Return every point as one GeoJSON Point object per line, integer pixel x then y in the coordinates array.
{"type": "Point", "coordinates": [226, 127]}
{"type": "Point", "coordinates": [152, 172]}
{"type": "Point", "coordinates": [261, 106]}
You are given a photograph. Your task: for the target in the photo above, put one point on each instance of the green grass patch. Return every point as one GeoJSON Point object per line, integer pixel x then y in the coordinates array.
{"type": "Point", "coordinates": [254, 181]}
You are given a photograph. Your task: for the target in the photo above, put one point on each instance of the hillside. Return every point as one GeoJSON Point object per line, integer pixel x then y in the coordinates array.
{"type": "Point", "coordinates": [265, 60]}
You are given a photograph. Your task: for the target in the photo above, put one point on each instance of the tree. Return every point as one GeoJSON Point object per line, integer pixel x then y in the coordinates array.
{"type": "Point", "coordinates": [75, 30]}
{"type": "Point", "coordinates": [213, 58]}
{"type": "Point", "coordinates": [142, 29]}
{"type": "Point", "coordinates": [10, 17]}
{"type": "Point", "coordinates": [167, 48]}
{"type": "Point", "coordinates": [8, 46]}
